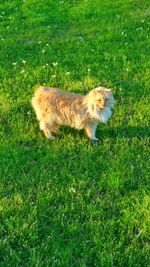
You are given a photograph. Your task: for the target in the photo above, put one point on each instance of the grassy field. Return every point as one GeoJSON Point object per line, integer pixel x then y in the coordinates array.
{"type": "Point", "coordinates": [72, 202]}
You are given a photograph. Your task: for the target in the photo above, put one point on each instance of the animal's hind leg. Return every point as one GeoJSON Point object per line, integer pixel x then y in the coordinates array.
{"type": "Point", "coordinates": [47, 129]}
{"type": "Point", "coordinates": [55, 128]}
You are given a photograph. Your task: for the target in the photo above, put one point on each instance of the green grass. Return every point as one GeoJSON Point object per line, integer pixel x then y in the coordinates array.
{"type": "Point", "coordinates": [72, 202]}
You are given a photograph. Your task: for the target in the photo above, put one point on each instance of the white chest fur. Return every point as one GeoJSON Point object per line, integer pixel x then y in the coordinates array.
{"type": "Point", "coordinates": [105, 115]}
{"type": "Point", "coordinates": [102, 115]}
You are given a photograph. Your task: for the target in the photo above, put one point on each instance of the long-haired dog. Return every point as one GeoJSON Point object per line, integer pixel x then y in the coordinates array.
{"type": "Point", "coordinates": [55, 107]}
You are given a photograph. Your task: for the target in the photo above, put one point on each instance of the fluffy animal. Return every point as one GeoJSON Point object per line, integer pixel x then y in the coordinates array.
{"type": "Point", "coordinates": [55, 107]}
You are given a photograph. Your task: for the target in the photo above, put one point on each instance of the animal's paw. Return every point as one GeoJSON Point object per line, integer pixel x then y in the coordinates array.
{"type": "Point", "coordinates": [94, 139]}
{"type": "Point", "coordinates": [51, 137]}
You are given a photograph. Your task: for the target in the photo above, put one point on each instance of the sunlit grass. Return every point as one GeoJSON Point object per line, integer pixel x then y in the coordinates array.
{"type": "Point", "coordinates": [72, 202]}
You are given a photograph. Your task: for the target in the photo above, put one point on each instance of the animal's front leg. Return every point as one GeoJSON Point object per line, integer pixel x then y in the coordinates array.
{"type": "Point", "coordinates": [90, 131]}
{"type": "Point", "coordinates": [47, 129]}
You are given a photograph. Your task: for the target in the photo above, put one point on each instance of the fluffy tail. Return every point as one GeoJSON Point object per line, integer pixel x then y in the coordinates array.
{"type": "Point", "coordinates": [35, 101]}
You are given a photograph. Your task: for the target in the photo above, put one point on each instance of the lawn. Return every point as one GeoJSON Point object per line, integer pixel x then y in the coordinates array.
{"type": "Point", "coordinates": [72, 202]}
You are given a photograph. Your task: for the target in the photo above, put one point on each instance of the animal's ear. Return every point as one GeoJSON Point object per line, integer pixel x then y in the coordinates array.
{"type": "Point", "coordinates": [108, 90]}
{"type": "Point", "coordinates": [98, 89]}
{"type": "Point", "coordinates": [96, 92]}
{"type": "Point", "coordinates": [102, 89]}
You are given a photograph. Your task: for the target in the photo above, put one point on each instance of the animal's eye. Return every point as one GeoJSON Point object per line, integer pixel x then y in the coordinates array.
{"type": "Point", "coordinates": [100, 100]}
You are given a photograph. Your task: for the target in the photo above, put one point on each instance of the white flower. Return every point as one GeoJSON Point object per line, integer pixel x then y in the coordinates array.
{"type": "Point", "coordinates": [46, 64]}
{"type": "Point", "coordinates": [22, 71]}
{"type": "Point", "coordinates": [72, 189]}
{"type": "Point", "coordinates": [39, 42]}
{"type": "Point", "coordinates": [55, 64]}
{"type": "Point", "coordinates": [138, 29]}
{"type": "Point", "coordinates": [53, 76]}
{"type": "Point", "coordinates": [80, 38]}
{"type": "Point", "coordinates": [47, 44]}
{"type": "Point", "coordinates": [14, 63]}
{"type": "Point", "coordinates": [23, 61]}
{"type": "Point", "coordinates": [43, 51]}
{"type": "Point", "coordinates": [29, 112]}
{"type": "Point", "coordinates": [68, 73]}
{"type": "Point", "coordinates": [89, 70]}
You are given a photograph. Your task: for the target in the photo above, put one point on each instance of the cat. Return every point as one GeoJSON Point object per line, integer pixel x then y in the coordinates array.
{"type": "Point", "coordinates": [55, 107]}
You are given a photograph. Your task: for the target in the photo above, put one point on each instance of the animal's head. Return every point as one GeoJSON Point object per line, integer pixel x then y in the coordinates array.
{"type": "Point", "coordinates": [102, 97]}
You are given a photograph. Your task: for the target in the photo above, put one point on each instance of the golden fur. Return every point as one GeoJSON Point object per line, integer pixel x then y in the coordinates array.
{"type": "Point", "coordinates": [54, 107]}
